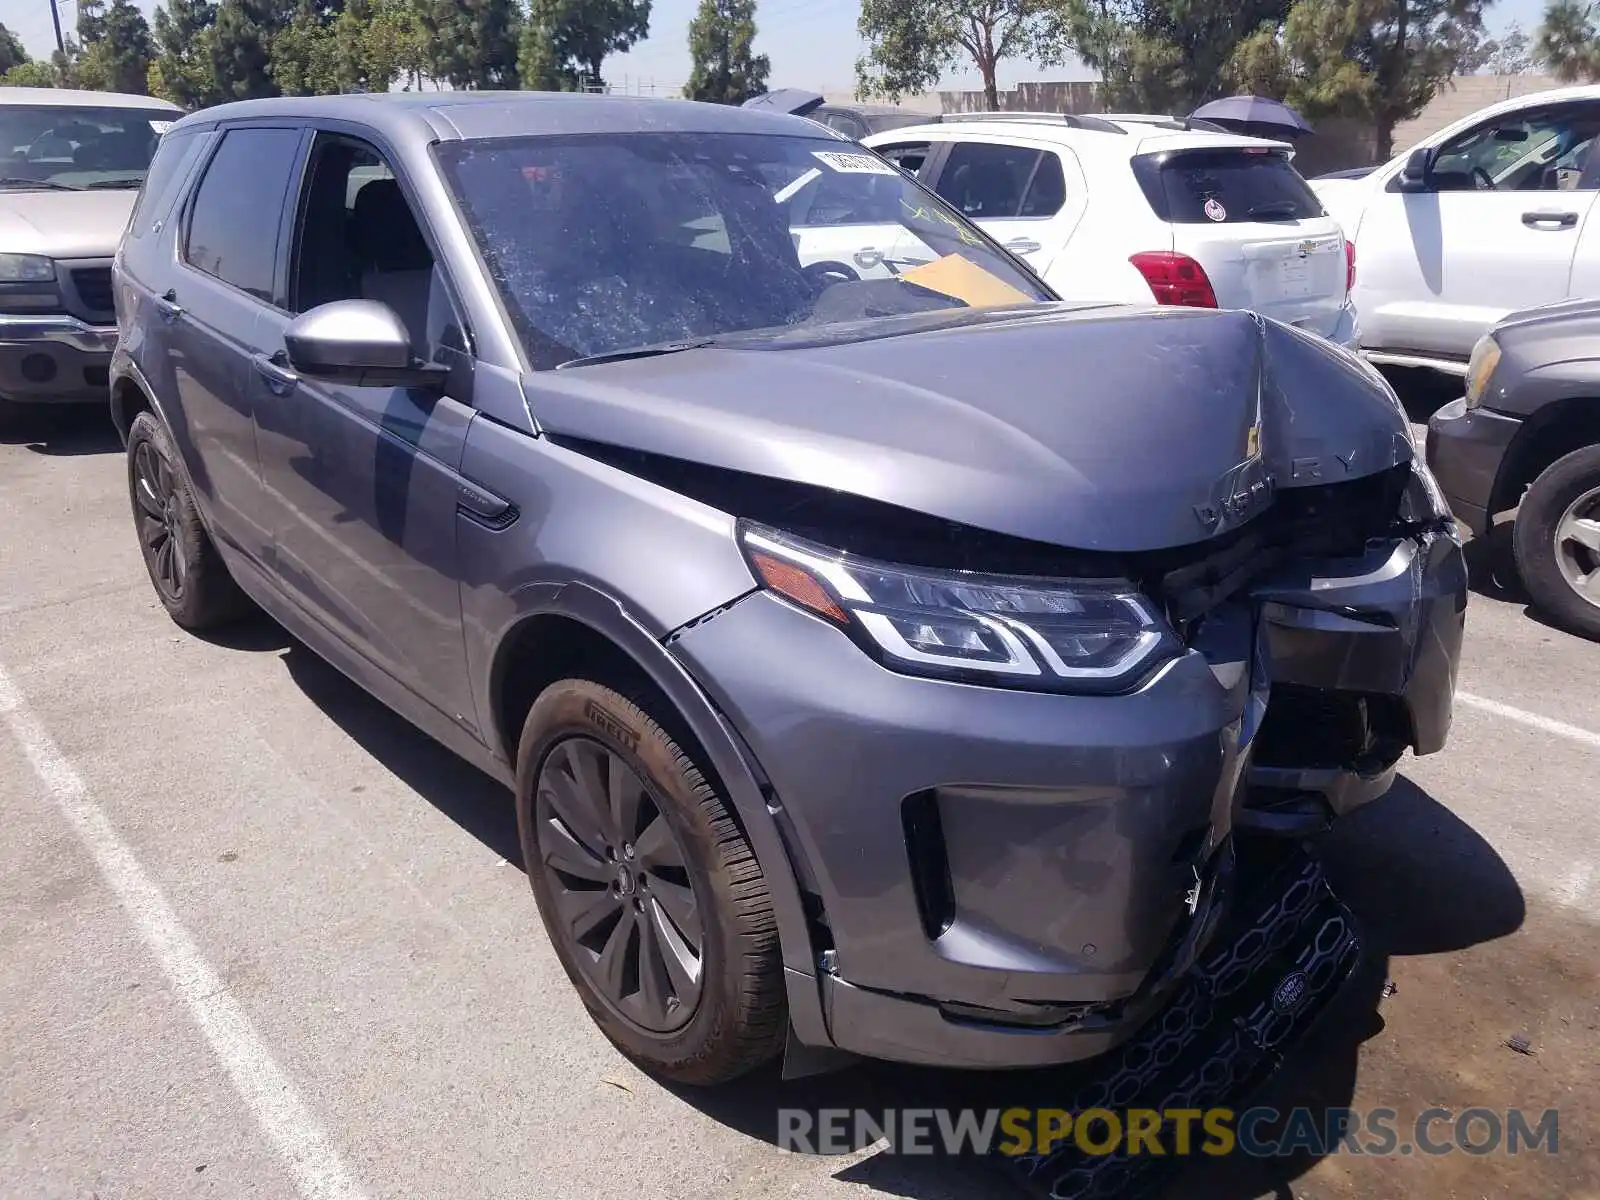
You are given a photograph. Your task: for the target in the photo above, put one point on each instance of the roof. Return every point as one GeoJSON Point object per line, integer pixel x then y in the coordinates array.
{"type": "Point", "coordinates": [73, 98]}
{"type": "Point", "coordinates": [1124, 137]}
{"type": "Point", "coordinates": [469, 115]}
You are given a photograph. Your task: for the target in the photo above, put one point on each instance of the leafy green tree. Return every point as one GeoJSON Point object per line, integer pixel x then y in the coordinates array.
{"type": "Point", "coordinates": [726, 70]}
{"type": "Point", "coordinates": [539, 64]}
{"type": "Point", "coordinates": [182, 71]}
{"type": "Point", "coordinates": [115, 50]}
{"type": "Point", "coordinates": [1568, 42]}
{"type": "Point", "coordinates": [912, 43]}
{"type": "Point", "coordinates": [471, 43]}
{"type": "Point", "coordinates": [573, 38]}
{"type": "Point", "coordinates": [12, 52]}
{"type": "Point", "coordinates": [1379, 60]}
{"type": "Point", "coordinates": [34, 73]}
{"type": "Point", "coordinates": [241, 46]}
{"type": "Point", "coordinates": [304, 57]}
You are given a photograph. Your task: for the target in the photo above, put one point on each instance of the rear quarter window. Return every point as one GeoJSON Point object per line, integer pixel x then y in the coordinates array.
{"type": "Point", "coordinates": [1208, 187]}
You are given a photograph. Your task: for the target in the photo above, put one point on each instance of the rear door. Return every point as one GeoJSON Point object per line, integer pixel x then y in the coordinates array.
{"type": "Point", "coordinates": [1028, 196]}
{"type": "Point", "coordinates": [1249, 219]}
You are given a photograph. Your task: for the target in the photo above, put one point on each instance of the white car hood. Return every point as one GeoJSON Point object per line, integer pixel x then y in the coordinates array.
{"type": "Point", "coordinates": [64, 224]}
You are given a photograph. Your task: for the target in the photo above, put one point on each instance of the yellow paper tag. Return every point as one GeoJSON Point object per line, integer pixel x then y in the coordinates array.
{"type": "Point", "coordinates": [962, 279]}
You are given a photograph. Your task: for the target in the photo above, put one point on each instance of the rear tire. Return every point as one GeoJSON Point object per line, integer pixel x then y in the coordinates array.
{"type": "Point", "coordinates": [190, 578]}
{"type": "Point", "coordinates": [655, 865]}
{"type": "Point", "coordinates": [1557, 542]}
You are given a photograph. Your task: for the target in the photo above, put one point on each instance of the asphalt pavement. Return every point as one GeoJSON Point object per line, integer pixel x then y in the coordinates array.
{"type": "Point", "coordinates": [258, 938]}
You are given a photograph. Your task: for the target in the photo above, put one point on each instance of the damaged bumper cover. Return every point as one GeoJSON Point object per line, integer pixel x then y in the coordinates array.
{"type": "Point", "coordinates": [1006, 878]}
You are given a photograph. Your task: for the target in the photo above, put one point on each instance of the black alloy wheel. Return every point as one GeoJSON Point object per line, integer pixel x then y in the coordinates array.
{"type": "Point", "coordinates": [622, 889]}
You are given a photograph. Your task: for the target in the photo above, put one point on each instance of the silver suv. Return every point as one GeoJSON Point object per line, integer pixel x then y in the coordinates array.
{"type": "Point", "coordinates": [71, 164]}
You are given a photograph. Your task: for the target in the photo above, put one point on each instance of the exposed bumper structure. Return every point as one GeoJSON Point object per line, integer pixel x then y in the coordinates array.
{"type": "Point", "coordinates": [1006, 878]}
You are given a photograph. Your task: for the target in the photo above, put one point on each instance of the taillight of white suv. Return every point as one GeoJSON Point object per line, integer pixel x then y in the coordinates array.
{"type": "Point", "coordinates": [1175, 279]}
{"type": "Point", "coordinates": [1349, 266]}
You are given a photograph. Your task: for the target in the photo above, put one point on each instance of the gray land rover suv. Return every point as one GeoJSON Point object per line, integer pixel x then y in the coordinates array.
{"type": "Point", "coordinates": [889, 666]}
{"type": "Point", "coordinates": [71, 164]}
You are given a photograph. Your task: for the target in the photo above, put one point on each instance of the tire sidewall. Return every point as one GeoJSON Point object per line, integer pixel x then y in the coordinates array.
{"type": "Point", "coordinates": [581, 708]}
{"type": "Point", "coordinates": [146, 428]}
{"type": "Point", "coordinates": [1534, 539]}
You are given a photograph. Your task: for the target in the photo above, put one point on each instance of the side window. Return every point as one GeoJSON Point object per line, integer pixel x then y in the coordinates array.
{"type": "Point", "coordinates": [358, 239]}
{"type": "Point", "coordinates": [985, 180]}
{"type": "Point", "coordinates": [233, 225]}
{"type": "Point", "coordinates": [1544, 150]}
{"type": "Point", "coordinates": [1047, 191]}
{"type": "Point", "coordinates": [908, 156]}
{"type": "Point", "coordinates": [175, 154]}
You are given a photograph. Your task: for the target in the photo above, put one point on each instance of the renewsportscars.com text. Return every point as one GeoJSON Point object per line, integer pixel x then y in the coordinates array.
{"type": "Point", "coordinates": [1217, 1132]}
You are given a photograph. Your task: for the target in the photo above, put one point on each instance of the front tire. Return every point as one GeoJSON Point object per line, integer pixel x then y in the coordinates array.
{"type": "Point", "coordinates": [1557, 541]}
{"type": "Point", "coordinates": [649, 892]}
{"type": "Point", "coordinates": [191, 580]}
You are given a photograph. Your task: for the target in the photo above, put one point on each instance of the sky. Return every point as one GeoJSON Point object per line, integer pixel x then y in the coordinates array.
{"type": "Point", "coordinates": [812, 43]}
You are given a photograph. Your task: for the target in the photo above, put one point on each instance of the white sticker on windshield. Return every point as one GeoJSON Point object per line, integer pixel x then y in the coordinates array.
{"type": "Point", "coordinates": [160, 126]}
{"type": "Point", "coordinates": [1215, 211]}
{"type": "Point", "coordinates": [853, 164]}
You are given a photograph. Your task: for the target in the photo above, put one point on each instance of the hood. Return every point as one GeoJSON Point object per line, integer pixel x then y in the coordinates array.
{"type": "Point", "coordinates": [65, 224]}
{"type": "Point", "coordinates": [1107, 429]}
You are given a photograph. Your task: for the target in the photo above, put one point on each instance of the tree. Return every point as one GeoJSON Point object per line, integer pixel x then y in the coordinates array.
{"type": "Point", "coordinates": [241, 46]}
{"type": "Point", "coordinates": [33, 73]}
{"type": "Point", "coordinates": [1568, 42]}
{"type": "Point", "coordinates": [115, 48]}
{"type": "Point", "coordinates": [1509, 54]}
{"type": "Point", "coordinates": [1164, 55]}
{"type": "Point", "coordinates": [1378, 60]}
{"type": "Point", "coordinates": [471, 43]}
{"type": "Point", "coordinates": [912, 43]}
{"type": "Point", "coordinates": [12, 52]}
{"type": "Point", "coordinates": [571, 39]}
{"type": "Point", "coordinates": [725, 69]}
{"type": "Point", "coordinates": [182, 71]}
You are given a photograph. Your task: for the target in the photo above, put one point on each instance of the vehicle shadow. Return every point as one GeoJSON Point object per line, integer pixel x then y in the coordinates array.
{"type": "Point", "coordinates": [61, 431]}
{"type": "Point", "coordinates": [1423, 392]}
{"type": "Point", "coordinates": [1420, 880]}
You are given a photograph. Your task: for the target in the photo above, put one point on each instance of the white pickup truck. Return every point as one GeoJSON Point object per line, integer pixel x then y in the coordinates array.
{"type": "Point", "coordinates": [1488, 216]}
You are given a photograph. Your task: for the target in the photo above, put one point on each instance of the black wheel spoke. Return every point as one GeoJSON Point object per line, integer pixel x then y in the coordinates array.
{"type": "Point", "coordinates": [561, 792]}
{"type": "Point", "coordinates": [144, 492]}
{"type": "Point", "coordinates": [677, 902]}
{"type": "Point", "coordinates": [152, 532]}
{"type": "Point", "coordinates": [682, 961]}
{"type": "Point", "coordinates": [612, 964]}
{"type": "Point", "coordinates": [625, 795]}
{"type": "Point", "coordinates": [657, 848]}
{"type": "Point", "coordinates": [587, 763]}
{"type": "Point", "coordinates": [164, 566]}
{"type": "Point", "coordinates": [164, 475]}
{"type": "Point", "coordinates": [585, 911]}
{"type": "Point", "coordinates": [565, 853]}
{"type": "Point", "coordinates": [655, 982]}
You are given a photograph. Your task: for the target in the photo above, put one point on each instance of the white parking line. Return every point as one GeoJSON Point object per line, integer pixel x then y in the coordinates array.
{"type": "Point", "coordinates": [319, 1172]}
{"type": "Point", "coordinates": [1533, 720]}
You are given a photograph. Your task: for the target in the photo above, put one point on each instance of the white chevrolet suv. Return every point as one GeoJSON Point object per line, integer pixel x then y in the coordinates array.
{"type": "Point", "coordinates": [1486, 217]}
{"type": "Point", "coordinates": [1129, 208]}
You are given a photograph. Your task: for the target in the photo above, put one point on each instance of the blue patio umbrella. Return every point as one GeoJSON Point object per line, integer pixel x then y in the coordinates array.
{"type": "Point", "coordinates": [1254, 115]}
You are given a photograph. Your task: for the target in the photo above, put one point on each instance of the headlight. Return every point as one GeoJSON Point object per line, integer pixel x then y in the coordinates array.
{"type": "Point", "coordinates": [1094, 636]}
{"type": "Point", "coordinates": [26, 268]}
{"type": "Point", "coordinates": [1480, 368]}
{"type": "Point", "coordinates": [1423, 504]}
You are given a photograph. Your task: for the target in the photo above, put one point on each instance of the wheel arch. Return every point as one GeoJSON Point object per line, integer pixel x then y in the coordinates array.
{"type": "Point", "coordinates": [574, 628]}
{"type": "Point", "coordinates": [1552, 433]}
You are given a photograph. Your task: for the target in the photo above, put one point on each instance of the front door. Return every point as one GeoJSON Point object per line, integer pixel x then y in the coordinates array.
{"type": "Point", "coordinates": [361, 480]}
{"type": "Point", "coordinates": [1028, 198]}
{"type": "Point", "coordinates": [1496, 231]}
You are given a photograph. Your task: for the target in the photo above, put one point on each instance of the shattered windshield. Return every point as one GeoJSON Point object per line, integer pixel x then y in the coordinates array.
{"type": "Point", "coordinates": [605, 244]}
{"type": "Point", "coordinates": [67, 147]}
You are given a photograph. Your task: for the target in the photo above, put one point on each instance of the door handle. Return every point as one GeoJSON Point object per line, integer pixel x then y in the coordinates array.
{"type": "Point", "coordinates": [169, 307]}
{"type": "Point", "coordinates": [484, 506]}
{"type": "Point", "coordinates": [1023, 246]}
{"type": "Point", "coordinates": [1546, 219]}
{"type": "Point", "coordinates": [280, 380]}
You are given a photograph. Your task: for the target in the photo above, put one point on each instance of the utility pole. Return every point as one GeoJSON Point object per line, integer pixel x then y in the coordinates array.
{"type": "Point", "coordinates": [55, 19]}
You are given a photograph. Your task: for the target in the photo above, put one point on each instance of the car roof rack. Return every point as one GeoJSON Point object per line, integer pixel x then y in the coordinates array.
{"type": "Point", "coordinates": [1163, 121]}
{"type": "Point", "coordinates": [1071, 120]}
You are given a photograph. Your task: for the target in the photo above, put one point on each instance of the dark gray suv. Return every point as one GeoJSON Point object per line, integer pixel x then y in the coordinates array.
{"type": "Point", "coordinates": [893, 665]}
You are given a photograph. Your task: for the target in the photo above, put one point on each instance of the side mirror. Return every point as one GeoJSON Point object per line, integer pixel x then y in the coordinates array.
{"type": "Point", "coordinates": [1419, 166]}
{"type": "Point", "coordinates": [359, 342]}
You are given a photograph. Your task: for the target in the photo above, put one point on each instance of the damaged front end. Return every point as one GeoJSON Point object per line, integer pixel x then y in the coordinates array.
{"type": "Point", "coordinates": [1016, 842]}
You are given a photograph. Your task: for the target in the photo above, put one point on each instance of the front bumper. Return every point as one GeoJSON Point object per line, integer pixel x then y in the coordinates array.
{"type": "Point", "coordinates": [54, 359]}
{"type": "Point", "coordinates": [1464, 452]}
{"type": "Point", "coordinates": [1006, 878]}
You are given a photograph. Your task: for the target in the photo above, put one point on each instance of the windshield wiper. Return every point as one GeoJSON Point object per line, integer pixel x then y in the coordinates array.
{"type": "Point", "coordinates": [1276, 208]}
{"type": "Point", "coordinates": [50, 184]}
{"type": "Point", "coordinates": [637, 352]}
{"type": "Point", "coordinates": [127, 181]}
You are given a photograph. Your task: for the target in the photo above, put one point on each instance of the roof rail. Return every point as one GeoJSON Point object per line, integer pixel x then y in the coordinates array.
{"type": "Point", "coordinates": [1162, 121]}
{"type": "Point", "coordinates": [1071, 120]}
